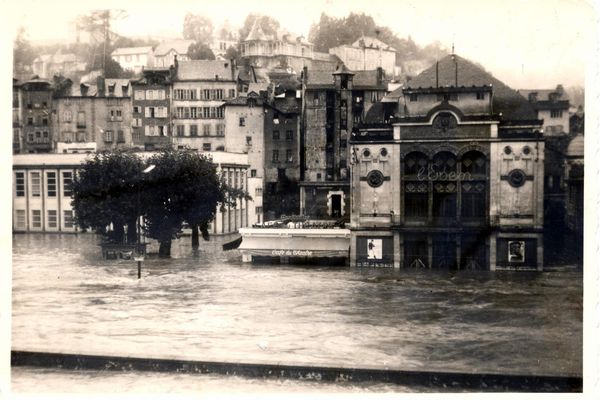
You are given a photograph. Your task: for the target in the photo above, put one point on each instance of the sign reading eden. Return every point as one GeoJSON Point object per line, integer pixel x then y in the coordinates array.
{"type": "Point", "coordinates": [306, 253]}
{"type": "Point", "coordinates": [432, 175]}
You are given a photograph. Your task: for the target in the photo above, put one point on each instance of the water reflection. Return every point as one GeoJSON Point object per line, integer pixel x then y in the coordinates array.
{"type": "Point", "coordinates": [214, 307]}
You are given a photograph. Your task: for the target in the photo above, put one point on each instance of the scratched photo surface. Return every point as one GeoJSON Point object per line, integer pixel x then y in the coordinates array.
{"type": "Point", "coordinates": [327, 197]}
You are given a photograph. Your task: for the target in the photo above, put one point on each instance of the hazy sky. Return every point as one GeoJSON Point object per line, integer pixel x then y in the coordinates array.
{"type": "Point", "coordinates": [526, 44]}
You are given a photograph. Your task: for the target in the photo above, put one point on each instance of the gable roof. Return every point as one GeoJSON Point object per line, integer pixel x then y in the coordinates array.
{"type": "Point", "coordinates": [123, 51]}
{"type": "Point", "coordinates": [256, 32]}
{"type": "Point", "coordinates": [205, 70]}
{"type": "Point", "coordinates": [506, 101]}
{"type": "Point", "coordinates": [180, 47]}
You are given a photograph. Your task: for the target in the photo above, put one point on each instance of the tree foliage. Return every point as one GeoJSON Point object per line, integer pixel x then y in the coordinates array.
{"type": "Point", "coordinates": [183, 187]}
{"type": "Point", "coordinates": [268, 24]}
{"type": "Point", "coordinates": [105, 192]}
{"type": "Point", "coordinates": [200, 51]}
{"type": "Point", "coordinates": [111, 189]}
{"type": "Point", "coordinates": [23, 52]}
{"type": "Point", "coordinates": [198, 28]}
{"type": "Point", "coordinates": [331, 32]}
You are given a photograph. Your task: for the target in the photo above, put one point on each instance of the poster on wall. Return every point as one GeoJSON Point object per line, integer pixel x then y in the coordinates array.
{"type": "Point", "coordinates": [374, 249]}
{"type": "Point", "coordinates": [516, 251]}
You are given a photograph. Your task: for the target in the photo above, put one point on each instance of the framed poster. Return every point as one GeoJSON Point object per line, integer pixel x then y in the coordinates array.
{"type": "Point", "coordinates": [516, 251]}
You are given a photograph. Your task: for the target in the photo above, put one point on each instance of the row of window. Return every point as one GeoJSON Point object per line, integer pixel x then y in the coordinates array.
{"type": "Point", "coordinates": [202, 94]}
{"type": "Point", "coordinates": [36, 184]}
{"type": "Point", "coordinates": [289, 156]}
{"type": "Point", "coordinates": [38, 137]}
{"type": "Point", "coordinates": [150, 94]}
{"type": "Point", "coordinates": [109, 137]}
{"type": "Point", "coordinates": [235, 179]}
{"type": "Point", "coordinates": [151, 112]}
{"type": "Point", "coordinates": [289, 135]}
{"type": "Point", "coordinates": [70, 137]}
{"type": "Point", "coordinates": [449, 96]}
{"type": "Point", "coordinates": [36, 219]}
{"type": "Point", "coordinates": [556, 114]}
{"type": "Point", "coordinates": [192, 130]}
{"type": "Point", "coordinates": [199, 112]}
{"type": "Point", "coordinates": [39, 120]}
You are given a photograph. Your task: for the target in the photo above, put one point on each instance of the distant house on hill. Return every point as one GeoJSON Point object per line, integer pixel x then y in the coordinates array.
{"type": "Point", "coordinates": [48, 65]}
{"type": "Point", "coordinates": [165, 53]}
{"type": "Point", "coordinates": [134, 58]}
{"type": "Point", "coordinates": [367, 53]}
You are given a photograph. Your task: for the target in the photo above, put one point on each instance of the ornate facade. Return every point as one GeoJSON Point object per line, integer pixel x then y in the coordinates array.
{"type": "Point", "coordinates": [454, 181]}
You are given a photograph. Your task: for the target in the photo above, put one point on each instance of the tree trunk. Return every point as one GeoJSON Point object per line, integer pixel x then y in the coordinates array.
{"type": "Point", "coordinates": [131, 232]}
{"type": "Point", "coordinates": [164, 250]}
{"type": "Point", "coordinates": [195, 237]}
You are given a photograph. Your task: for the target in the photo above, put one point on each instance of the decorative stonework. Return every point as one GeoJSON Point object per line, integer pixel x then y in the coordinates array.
{"type": "Point", "coordinates": [444, 124]}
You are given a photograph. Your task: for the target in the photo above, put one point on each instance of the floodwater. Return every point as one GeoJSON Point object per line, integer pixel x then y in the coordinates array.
{"type": "Point", "coordinates": [214, 307]}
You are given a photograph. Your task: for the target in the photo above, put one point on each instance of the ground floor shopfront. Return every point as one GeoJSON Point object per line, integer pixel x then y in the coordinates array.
{"type": "Point", "coordinates": [447, 249]}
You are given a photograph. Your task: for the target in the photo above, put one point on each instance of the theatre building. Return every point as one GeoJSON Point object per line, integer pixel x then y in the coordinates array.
{"type": "Point", "coordinates": [448, 173]}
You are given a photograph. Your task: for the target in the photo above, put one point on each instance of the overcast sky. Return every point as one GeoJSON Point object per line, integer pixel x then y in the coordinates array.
{"type": "Point", "coordinates": [526, 44]}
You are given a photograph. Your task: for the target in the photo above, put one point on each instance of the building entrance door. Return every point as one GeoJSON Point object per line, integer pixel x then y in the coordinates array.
{"type": "Point", "coordinates": [444, 253]}
{"type": "Point", "coordinates": [416, 253]}
{"type": "Point", "coordinates": [473, 252]}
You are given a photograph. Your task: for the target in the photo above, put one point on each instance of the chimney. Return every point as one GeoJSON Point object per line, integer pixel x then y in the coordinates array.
{"type": "Point", "coordinates": [305, 74]}
{"type": "Point", "coordinates": [100, 86]}
{"type": "Point", "coordinates": [379, 75]}
{"type": "Point", "coordinates": [232, 64]}
{"type": "Point", "coordinates": [83, 89]}
{"type": "Point", "coordinates": [437, 74]}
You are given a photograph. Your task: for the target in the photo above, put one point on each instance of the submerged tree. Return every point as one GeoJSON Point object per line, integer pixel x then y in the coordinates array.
{"type": "Point", "coordinates": [183, 187]}
{"type": "Point", "coordinates": [105, 193]}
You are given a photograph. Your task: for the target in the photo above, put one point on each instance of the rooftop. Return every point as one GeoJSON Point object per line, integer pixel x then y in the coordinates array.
{"type": "Point", "coordinates": [206, 70]}
{"type": "Point", "coordinates": [131, 50]}
{"type": "Point", "coordinates": [453, 70]}
{"type": "Point", "coordinates": [180, 47]}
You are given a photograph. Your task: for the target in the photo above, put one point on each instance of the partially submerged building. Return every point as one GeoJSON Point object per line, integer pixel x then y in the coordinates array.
{"type": "Point", "coordinates": [453, 179]}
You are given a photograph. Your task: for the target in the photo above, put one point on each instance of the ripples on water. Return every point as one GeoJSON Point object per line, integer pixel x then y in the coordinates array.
{"type": "Point", "coordinates": [213, 307]}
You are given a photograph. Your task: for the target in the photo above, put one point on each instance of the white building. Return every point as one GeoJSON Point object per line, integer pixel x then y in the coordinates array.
{"type": "Point", "coordinates": [134, 58]}
{"type": "Point", "coordinates": [165, 53]}
{"type": "Point", "coordinates": [42, 194]}
{"type": "Point", "coordinates": [367, 53]}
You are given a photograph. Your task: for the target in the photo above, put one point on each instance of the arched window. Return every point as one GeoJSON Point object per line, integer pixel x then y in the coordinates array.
{"type": "Point", "coordinates": [473, 186]}
{"type": "Point", "coordinates": [444, 175]}
{"type": "Point", "coordinates": [416, 186]}
{"type": "Point", "coordinates": [415, 162]}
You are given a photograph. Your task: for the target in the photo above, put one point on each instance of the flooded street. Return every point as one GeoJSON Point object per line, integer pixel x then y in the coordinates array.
{"type": "Point", "coordinates": [213, 307]}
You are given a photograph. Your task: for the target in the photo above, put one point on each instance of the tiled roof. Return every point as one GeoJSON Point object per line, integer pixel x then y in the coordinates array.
{"type": "Point", "coordinates": [205, 70]}
{"type": "Point", "coordinates": [180, 46]}
{"type": "Point", "coordinates": [118, 84]}
{"type": "Point", "coordinates": [361, 79]}
{"type": "Point", "coordinates": [131, 50]}
{"type": "Point", "coordinates": [576, 147]}
{"type": "Point", "coordinates": [320, 78]}
{"type": "Point", "coordinates": [507, 101]}
{"type": "Point", "coordinates": [367, 79]}
{"type": "Point", "coordinates": [368, 41]}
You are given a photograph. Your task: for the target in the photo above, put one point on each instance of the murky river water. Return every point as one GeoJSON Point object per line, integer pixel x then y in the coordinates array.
{"type": "Point", "coordinates": [213, 307]}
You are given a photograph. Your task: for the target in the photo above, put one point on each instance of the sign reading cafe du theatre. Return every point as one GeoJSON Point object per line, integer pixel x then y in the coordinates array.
{"type": "Point", "coordinates": [375, 252]}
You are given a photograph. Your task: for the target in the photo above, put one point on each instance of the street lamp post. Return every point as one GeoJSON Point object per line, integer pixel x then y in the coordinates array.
{"type": "Point", "coordinates": [139, 254]}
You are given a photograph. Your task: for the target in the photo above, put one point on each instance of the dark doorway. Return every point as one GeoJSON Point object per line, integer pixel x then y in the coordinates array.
{"type": "Point", "coordinates": [473, 252]}
{"type": "Point", "coordinates": [444, 253]}
{"type": "Point", "coordinates": [416, 253]}
{"type": "Point", "coordinates": [336, 205]}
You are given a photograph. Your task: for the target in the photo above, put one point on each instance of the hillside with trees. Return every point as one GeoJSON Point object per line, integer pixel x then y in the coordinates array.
{"type": "Point", "coordinates": [330, 32]}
